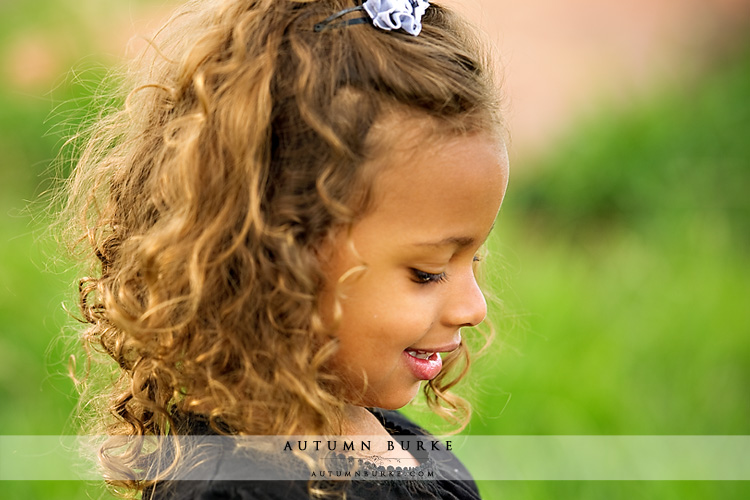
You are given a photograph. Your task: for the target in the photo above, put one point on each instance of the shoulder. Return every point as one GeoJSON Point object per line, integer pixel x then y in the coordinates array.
{"type": "Point", "coordinates": [219, 473]}
{"type": "Point", "coordinates": [227, 490]}
{"type": "Point", "coordinates": [212, 468]}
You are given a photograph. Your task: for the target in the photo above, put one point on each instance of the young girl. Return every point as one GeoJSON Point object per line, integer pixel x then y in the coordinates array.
{"type": "Point", "coordinates": [284, 219]}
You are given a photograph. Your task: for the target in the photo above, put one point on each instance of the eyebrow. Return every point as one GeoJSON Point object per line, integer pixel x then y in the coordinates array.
{"type": "Point", "coordinates": [457, 241]}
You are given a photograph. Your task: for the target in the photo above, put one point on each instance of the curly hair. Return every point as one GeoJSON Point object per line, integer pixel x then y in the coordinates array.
{"type": "Point", "coordinates": [201, 202]}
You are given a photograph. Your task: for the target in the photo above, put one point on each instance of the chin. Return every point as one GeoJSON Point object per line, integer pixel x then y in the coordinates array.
{"type": "Point", "coordinates": [393, 401]}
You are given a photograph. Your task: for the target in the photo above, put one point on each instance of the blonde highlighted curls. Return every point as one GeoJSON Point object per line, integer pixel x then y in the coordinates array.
{"type": "Point", "coordinates": [204, 199]}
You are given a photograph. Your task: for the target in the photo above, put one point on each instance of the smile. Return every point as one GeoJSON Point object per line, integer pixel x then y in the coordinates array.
{"type": "Point", "coordinates": [421, 354]}
{"type": "Point", "coordinates": [423, 365]}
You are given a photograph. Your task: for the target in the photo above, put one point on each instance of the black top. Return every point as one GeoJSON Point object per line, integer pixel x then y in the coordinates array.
{"type": "Point", "coordinates": [449, 481]}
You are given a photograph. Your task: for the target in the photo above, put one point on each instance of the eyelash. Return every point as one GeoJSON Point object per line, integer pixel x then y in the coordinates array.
{"type": "Point", "coordinates": [424, 278]}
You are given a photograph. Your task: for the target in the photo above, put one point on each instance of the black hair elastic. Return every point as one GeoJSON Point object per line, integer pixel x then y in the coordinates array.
{"type": "Point", "coordinates": [326, 23]}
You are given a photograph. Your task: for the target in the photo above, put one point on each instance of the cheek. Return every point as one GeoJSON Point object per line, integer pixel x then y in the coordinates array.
{"type": "Point", "coordinates": [388, 322]}
{"type": "Point", "coordinates": [396, 323]}
{"type": "Point", "coordinates": [382, 310]}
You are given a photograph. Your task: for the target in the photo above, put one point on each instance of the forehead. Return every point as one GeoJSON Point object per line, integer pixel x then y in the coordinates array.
{"type": "Point", "coordinates": [435, 183]}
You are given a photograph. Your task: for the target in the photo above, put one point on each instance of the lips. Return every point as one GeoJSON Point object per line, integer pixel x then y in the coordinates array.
{"type": "Point", "coordinates": [424, 365]}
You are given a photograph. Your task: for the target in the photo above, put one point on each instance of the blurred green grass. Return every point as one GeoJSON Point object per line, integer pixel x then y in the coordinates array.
{"type": "Point", "coordinates": [630, 248]}
{"type": "Point", "coordinates": [623, 268]}
{"type": "Point", "coordinates": [626, 255]}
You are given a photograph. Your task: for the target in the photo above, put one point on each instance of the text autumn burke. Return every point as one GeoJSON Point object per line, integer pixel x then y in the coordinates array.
{"type": "Point", "coordinates": [406, 445]}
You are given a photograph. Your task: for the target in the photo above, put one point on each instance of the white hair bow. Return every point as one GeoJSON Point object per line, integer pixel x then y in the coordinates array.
{"type": "Point", "coordinates": [385, 14]}
{"type": "Point", "coordinates": [397, 14]}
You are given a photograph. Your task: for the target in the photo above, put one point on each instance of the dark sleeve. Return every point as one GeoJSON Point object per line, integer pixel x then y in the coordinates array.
{"type": "Point", "coordinates": [213, 466]}
{"type": "Point", "coordinates": [227, 490]}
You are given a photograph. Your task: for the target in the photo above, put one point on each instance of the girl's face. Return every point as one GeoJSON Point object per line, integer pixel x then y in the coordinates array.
{"type": "Point", "coordinates": [433, 209]}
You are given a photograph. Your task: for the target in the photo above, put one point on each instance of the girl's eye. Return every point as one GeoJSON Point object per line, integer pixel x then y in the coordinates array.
{"type": "Point", "coordinates": [423, 277]}
{"type": "Point", "coordinates": [477, 258]}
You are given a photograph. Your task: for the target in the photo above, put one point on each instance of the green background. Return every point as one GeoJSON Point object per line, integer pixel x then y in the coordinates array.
{"type": "Point", "coordinates": [620, 264]}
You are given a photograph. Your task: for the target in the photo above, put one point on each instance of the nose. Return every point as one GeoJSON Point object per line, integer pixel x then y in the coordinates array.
{"type": "Point", "coordinates": [466, 305]}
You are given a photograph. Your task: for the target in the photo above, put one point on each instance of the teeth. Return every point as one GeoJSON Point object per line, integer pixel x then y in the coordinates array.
{"type": "Point", "coordinates": [420, 354]}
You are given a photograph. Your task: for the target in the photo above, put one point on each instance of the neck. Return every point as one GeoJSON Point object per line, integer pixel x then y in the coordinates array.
{"type": "Point", "coordinates": [358, 421]}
